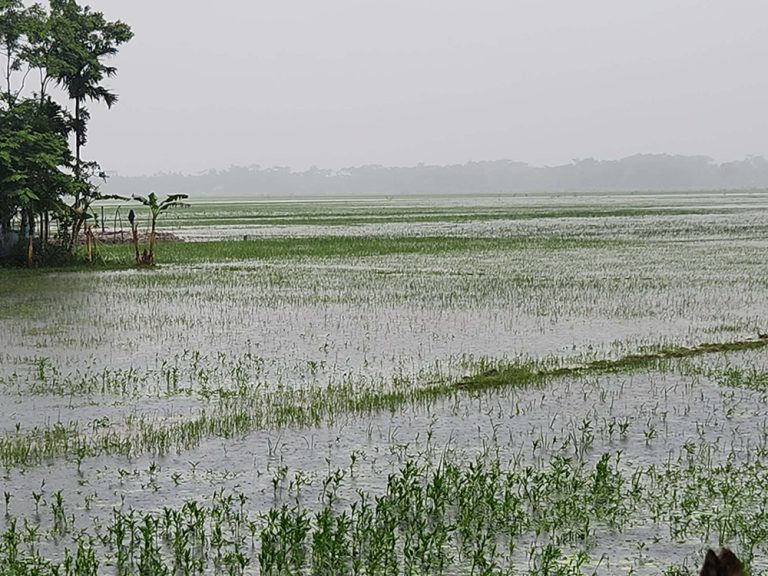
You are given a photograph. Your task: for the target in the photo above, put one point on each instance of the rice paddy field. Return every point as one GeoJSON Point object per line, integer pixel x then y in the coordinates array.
{"type": "Point", "coordinates": [547, 384]}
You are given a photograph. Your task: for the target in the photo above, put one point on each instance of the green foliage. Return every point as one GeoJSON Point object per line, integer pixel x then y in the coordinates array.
{"type": "Point", "coordinates": [66, 45]}
{"type": "Point", "coordinates": [349, 246]}
{"type": "Point", "coordinates": [156, 207]}
{"type": "Point", "coordinates": [33, 151]}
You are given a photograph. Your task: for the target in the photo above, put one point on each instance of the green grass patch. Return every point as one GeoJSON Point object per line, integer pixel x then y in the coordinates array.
{"type": "Point", "coordinates": [749, 378]}
{"type": "Point", "coordinates": [341, 247]}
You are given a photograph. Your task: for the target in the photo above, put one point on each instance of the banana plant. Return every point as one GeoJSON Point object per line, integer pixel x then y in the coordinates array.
{"type": "Point", "coordinates": [157, 207]}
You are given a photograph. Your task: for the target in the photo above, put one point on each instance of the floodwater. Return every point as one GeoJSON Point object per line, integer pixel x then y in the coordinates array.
{"type": "Point", "coordinates": [104, 354]}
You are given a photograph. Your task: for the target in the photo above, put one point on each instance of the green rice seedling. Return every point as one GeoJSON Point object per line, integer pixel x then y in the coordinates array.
{"type": "Point", "coordinates": [751, 378]}
{"type": "Point", "coordinates": [150, 557]}
{"type": "Point", "coordinates": [60, 519]}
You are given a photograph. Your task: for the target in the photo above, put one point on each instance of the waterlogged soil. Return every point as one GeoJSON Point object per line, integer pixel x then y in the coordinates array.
{"type": "Point", "coordinates": [320, 321]}
{"type": "Point", "coordinates": [94, 412]}
{"type": "Point", "coordinates": [659, 227]}
{"type": "Point", "coordinates": [215, 219]}
{"type": "Point", "coordinates": [666, 417]}
{"type": "Point", "coordinates": [100, 351]}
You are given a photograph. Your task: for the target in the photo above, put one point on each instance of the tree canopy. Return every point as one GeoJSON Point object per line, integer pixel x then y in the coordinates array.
{"type": "Point", "coordinates": [43, 175]}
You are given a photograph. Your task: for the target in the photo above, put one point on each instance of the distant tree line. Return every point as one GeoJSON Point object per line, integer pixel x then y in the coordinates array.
{"type": "Point", "coordinates": [640, 172]}
{"type": "Point", "coordinates": [53, 62]}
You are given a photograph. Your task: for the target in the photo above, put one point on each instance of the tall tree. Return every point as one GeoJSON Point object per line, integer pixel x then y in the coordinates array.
{"type": "Point", "coordinates": [34, 152]}
{"type": "Point", "coordinates": [69, 45]}
{"type": "Point", "coordinates": [80, 42]}
{"type": "Point", "coordinates": [33, 134]}
{"type": "Point", "coordinates": [12, 29]}
{"type": "Point", "coordinates": [17, 23]}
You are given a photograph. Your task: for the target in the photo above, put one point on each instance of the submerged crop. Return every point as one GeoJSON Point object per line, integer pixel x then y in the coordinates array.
{"type": "Point", "coordinates": [543, 386]}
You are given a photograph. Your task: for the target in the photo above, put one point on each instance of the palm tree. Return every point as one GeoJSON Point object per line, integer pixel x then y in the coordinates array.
{"type": "Point", "coordinates": [79, 42]}
{"type": "Point", "coordinates": [155, 209]}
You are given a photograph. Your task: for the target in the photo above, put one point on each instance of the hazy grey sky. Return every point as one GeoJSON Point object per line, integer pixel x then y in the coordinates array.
{"type": "Point", "coordinates": [338, 83]}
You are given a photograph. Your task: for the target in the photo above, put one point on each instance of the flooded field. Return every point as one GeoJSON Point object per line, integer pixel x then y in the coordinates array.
{"type": "Point", "coordinates": [505, 385]}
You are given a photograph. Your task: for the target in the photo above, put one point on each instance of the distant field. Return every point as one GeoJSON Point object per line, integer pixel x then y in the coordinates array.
{"type": "Point", "coordinates": [541, 384]}
{"type": "Point", "coordinates": [231, 216]}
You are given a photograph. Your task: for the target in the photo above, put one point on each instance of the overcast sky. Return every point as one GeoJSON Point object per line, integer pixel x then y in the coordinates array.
{"type": "Point", "coordinates": [337, 83]}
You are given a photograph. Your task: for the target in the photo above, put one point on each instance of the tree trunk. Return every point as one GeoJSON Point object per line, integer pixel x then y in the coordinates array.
{"type": "Point", "coordinates": [79, 214]}
{"type": "Point", "coordinates": [30, 240]}
{"type": "Point", "coordinates": [41, 232]}
{"type": "Point", "coordinates": [152, 241]}
{"type": "Point", "coordinates": [89, 244]}
{"type": "Point", "coordinates": [76, 227]}
{"type": "Point", "coordinates": [30, 252]}
{"type": "Point", "coordinates": [135, 231]}
{"type": "Point", "coordinates": [78, 129]}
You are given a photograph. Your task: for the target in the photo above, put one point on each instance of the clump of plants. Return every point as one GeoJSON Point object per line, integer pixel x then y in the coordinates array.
{"type": "Point", "coordinates": [156, 208]}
